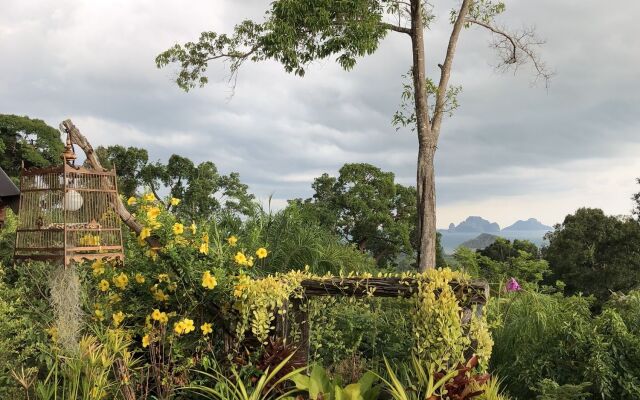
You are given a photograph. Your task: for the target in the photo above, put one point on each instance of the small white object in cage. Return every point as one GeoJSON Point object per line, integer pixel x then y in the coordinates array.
{"type": "Point", "coordinates": [73, 201]}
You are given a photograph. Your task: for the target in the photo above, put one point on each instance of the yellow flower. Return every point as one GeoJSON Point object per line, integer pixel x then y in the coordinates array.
{"type": "Point", "coordinates": [204, 248]}
{"type": "Point", "coordinates": [205, 238]}
{"type": "Point", "coordinates": [172, 287]}
{"type": "Point", "coordinates": [97, 267]}
{"type": "Point", "coordinates": [250, 262]}
{"type": "Point", "coordinates": [159, 316]}
{"type": "Point", "coordinates": [178, 327]}
{"type": "Point", "coordinates": [261, 252]}
{"type": "Point", "coordinates": [153, 212]}
{"type": "Point", "coordinates": [240, 258]}
{"type": "Point", "coordinates": [206, 328]}
{"type": "Point", "coordinates": [149, 197]}
{"type": "Point", "coordinates": [193, 228]}
{"type": "Point", "coordinates": [121, 281]}
{"type": "Point", "coordinates": [232, 240]}
{"type": "Point", "coordinates": [139, 278]}
{"type": "Point", "coordinates": [99, 314]}
{"type": "Point", "coordinates": [183, 327]}
{"type": "Point", "coordinates": [132, 201]}
{"type": "Point", "coordinates": [174, 201]}
{"type": "Point", "coordinates": [208, 281]}
{"type": "Point", "coordinates": [163, 278]}
{"type": "Point", "coordinates": [103, 285]}
{"type": "Point", "coordinates": [118, 318]}
{"type": "Point", "coordinates": [178, 229]}
{"type": "Point", "coordinates": [146, 340]}
{"type": "Point", "coordinates": [145, 233]}
{"type": "Point", "coordinates": [155, 315]}
{"type": "Point", "coordinates": [159, 295]}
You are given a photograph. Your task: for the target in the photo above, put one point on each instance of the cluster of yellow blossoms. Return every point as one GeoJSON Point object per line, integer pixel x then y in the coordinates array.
{"type": "Point", "coordinates": [121, 281]}
{"type": "Point", "coordinates": [209, 281]}
{"type": "Point", "coordinates": [159, 316]}
{"type": "Point", "coordinates": [241, 259]}
{"type": "Point", "coordinates": [183, 326]}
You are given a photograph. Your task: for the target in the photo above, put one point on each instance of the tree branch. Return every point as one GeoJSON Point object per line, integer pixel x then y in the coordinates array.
{"type": "Point", "coordinates": [516, 48]}
{"type": "Point", "coordinates": [445, 70]}
{"type": "Point", "coordinates": [396, 28]}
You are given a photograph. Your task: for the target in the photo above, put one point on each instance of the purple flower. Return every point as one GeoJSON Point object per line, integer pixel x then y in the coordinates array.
{"type": "Point", "coordinates": [513, 285]}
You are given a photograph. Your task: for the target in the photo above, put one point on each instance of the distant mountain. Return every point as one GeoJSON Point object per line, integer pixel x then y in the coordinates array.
{"type": "Point", "coordinates": [474, 224]}
{"type": "Point", "coordinates": [531, 224]}
{"type": "Point", "coordinates": [480, 242]}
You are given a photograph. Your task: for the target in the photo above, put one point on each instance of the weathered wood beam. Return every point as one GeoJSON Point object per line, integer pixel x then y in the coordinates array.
{"type": "Point", "coordinates": [475, 292]}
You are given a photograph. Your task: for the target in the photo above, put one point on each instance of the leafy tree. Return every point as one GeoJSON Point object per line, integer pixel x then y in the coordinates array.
{"type": "Point", "coordinates": [128, 162]}
{"type": "Point", "coordinates": [298, 32]}
{"type": "Point", "coordinates": [502, 262]}
{"type": "Point", "coordinates": [28, 140]}
{"type": "Point", "coordinates": [366, 207]}
{"type": "Point", "coordinates": [594, 253]}
{"type": "Point", "coordinates": [201, 189]}
{"type": "Point", "coordinates": [502, 249]}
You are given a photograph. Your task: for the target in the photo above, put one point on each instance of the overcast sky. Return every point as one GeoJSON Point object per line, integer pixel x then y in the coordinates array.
{"type": "Point", "coordinates": [511, 151]}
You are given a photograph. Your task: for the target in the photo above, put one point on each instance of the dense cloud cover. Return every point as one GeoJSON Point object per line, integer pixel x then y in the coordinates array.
{"type": "Point", "coordinates": [511, 151]}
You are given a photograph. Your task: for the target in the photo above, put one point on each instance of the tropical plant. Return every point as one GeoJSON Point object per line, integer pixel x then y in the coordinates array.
{"type": "Point", "coordinates": [417, 382]}
{"type": "Point", "coordinates": [98, 370]}
{"type": "Point", "coordinates": [235, 388]}
{"type": "Point", "coordinates": [319, 386]}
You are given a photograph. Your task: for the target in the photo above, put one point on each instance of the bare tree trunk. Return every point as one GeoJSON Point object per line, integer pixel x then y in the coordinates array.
{"type": "Point", "coordinates": [426, 147]}
{"type": "Point", "coordinates": [426, 206]}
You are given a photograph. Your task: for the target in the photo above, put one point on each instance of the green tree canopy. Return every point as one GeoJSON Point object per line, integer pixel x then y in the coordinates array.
{"type": "Point", "coordinates": [366, 207]}
{"type": "Point", "coordinates": [503, 249]}
{"type": "Point", "coordinates": [128, 162]}
{"type": "Point", "coordinates": [594, 253]}
{"type": "Point", "coordinates": [202, 190]}
{"type": "Point", "coordinates": [28, 140]}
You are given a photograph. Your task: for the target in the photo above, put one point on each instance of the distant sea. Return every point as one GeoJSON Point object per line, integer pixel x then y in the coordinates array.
{"type": "Point", "coordinates": [450, 241]}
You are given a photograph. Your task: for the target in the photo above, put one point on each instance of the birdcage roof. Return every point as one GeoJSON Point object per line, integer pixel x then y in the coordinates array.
{"type": "Point", "coordinates": [7, 187]}
{"type": "Point", "coordinates": [66, 168]}
{"type": "Point", "coordinates": [9, 192]}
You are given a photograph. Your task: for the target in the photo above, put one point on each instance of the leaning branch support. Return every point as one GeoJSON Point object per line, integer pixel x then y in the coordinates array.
{"type": "Point", "coordinates": [79, 139]}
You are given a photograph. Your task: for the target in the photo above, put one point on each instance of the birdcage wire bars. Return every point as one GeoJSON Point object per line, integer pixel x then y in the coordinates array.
{"type": "Point", "coordinates": [67, 213]}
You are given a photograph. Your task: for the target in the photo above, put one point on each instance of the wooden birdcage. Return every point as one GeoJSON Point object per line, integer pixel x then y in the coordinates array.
{"type": "Point", "coordinates": [66, 213]}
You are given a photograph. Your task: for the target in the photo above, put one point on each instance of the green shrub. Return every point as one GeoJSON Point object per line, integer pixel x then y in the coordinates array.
{"type": "Point", "coordinates": [540, 336]}
{"type": "Point", "coordinates": [24, 319]}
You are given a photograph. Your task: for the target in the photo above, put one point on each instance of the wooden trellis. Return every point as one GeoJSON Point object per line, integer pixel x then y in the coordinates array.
{"type": "Point", "coordinates": [471, 296]}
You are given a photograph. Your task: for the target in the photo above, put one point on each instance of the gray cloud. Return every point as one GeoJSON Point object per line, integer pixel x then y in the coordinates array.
{"type": "Point", "coordinates": [509, 143]}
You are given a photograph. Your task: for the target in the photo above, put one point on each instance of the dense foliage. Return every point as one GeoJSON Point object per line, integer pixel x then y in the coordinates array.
{"type": "Point", "coordinates": [199, 313]}
{"type": "Point", "coordinates": [595, 254]}
{"type": "Point", "coordinates": [548, 340]}
{"type": "Point", "coordinates": [27, 140]}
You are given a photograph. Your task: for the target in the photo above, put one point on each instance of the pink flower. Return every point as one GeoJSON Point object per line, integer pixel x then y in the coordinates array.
{"type": "Point", "coordinates": [513, 285]}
